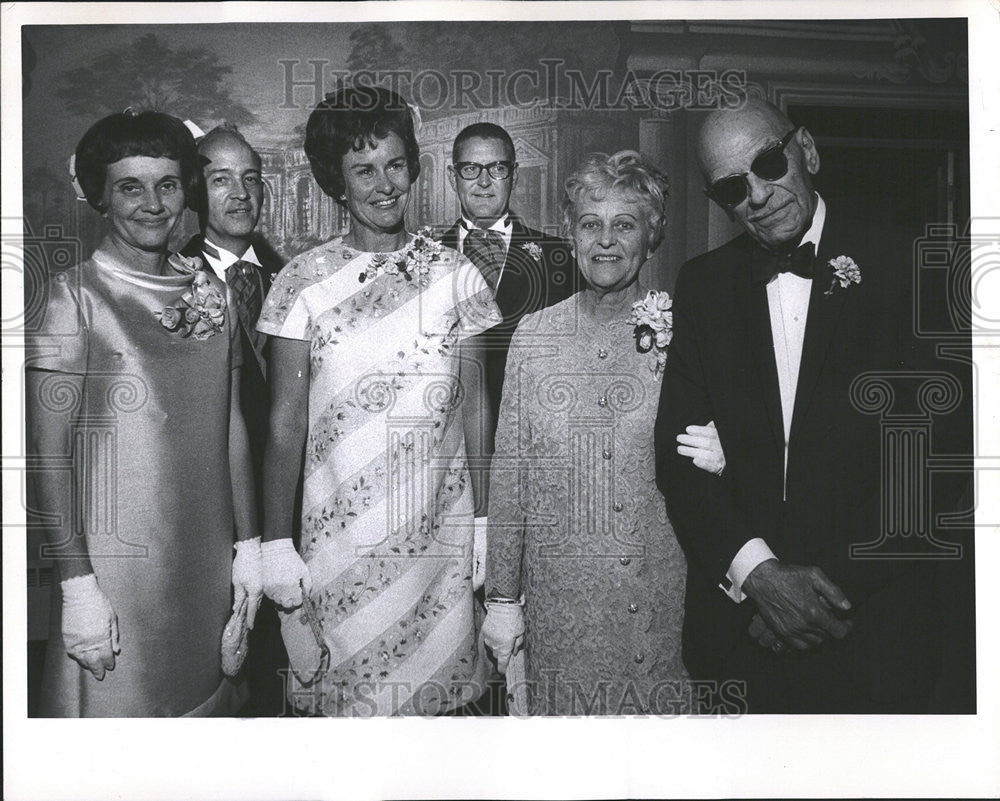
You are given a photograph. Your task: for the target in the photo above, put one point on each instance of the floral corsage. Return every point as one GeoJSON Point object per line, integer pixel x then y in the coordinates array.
{"type": "Point", "coordinates": [533, 249]}
{"type": "Point", "coordinates": [654, 324]}
{"type": "Point", "coordinates": [413, 262]}
{"type": "Point", "coordinates": [845, 272]}
{"type": "Point", "coordinates": [202, 310]}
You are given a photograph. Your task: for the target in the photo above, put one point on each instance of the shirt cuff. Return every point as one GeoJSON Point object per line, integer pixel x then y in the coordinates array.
{"type": "Point", "coordinates": [747, 558]}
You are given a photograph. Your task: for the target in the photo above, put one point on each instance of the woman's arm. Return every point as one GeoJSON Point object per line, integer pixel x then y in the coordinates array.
{"type": "Point", "coordinates": [88, 622]}
{"type": "Point", "coordinates": [477, 418]}
{"type": "Point", "coordinates": [286, 576]}
{"type": "Point", "coordinates": [288, 374]}
{"type": "Point", "coordinates": [48, 436]}
{"type": "Point", "coordinates": [240, 468]}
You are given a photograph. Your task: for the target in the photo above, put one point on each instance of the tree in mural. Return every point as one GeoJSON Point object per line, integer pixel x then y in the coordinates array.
{"type": "Point", "coordinates": [468, 46]}
{"type": "Point", "coordinates": [150, 74]}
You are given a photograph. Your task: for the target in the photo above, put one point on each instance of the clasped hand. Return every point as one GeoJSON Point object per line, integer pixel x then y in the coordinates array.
{"type": "Point", "coordinates": [286, 576]}
{"type": "Point", "coordinates": [797, 606]}
{"type": "Point", "coordinates": [503, 631]}
{"type": "Point", "coordinates": [701, 444]}
{"type": "Point", "coordinates": [248, 581]}
{"type": "Point", "coordinates": [89, 625]}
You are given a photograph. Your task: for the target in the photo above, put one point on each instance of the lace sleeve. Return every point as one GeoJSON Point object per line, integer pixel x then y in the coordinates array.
{"type": "Point", "coordinates": [509, 488]}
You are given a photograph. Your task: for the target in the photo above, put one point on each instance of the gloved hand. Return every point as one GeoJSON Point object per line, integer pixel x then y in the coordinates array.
{"type": "Point", "coordinates": [248, 577]}
{"type": "Point", "coordinates": [89, 625]}
{"type": "Point", "coordinates": [702, 445]}
{"type": "Point", "coordinates": [503, 631]}
{"type": "Point", "coordinates": [283, 570]}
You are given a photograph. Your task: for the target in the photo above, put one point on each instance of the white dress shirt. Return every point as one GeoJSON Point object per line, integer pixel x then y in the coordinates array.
{"type": "Point", "coordinates": [227, 259]}
{"type": "Point", "coordinates": [788, 306]}
{"type": "Point", "coordinates": [502, 226]}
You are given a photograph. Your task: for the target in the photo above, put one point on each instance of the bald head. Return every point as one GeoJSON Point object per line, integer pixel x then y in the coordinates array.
{"type": "Point", "coordinates": [234, 189]}
{"type": "Point", "coordinates": [727, 124]}
{"type": "Point", "coordinates": [776, 212]}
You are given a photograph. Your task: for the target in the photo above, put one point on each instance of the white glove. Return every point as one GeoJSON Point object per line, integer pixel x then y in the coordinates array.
{"type": "Point", "coordinates": [702, 445]}
{"type": "Point", "coordinates": [283, 572]}
{"type": "Point", "coordinates": [248, 577]}
{"type": "Point", "coordinates": [89, 625]}
{"type": "Point", "coordinates": [503, 631]}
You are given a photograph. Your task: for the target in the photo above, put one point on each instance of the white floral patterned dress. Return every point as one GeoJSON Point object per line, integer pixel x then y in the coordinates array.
{"type": "Point", "coordinates": [386, 523]}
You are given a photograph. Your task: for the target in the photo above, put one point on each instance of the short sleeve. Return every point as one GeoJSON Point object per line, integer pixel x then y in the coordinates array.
{"type": "Point", "coordinates": [285, 313]}
{"type": "Point", "coordinates": [475, 308]}
{"type": "Point", "coordinates": [60, 339]}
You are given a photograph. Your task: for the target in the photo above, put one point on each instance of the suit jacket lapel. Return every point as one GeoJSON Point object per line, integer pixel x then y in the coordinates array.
{"type": "Point", "coordinates": [752, 300]}
{"type": "Point", "coordinates": [825, 314]}
{"type": "Point", "coordinates": [520, 274]}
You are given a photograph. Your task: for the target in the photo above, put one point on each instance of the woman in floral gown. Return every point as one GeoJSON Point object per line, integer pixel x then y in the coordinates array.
{"type": "Point", "coordinates": [583, 568]}
{"type": "Point", "coordinates": [132, 375]}
{"type": "Point", "coordinates": [372, 399]}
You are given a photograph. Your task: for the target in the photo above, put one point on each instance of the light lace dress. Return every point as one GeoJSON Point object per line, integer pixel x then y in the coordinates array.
{"type": "Point", "coordinates": [578, 525]}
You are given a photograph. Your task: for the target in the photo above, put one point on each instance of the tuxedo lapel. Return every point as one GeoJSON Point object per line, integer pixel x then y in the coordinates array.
{"type": "Point", "coordinates": [826, 311]}
{"type": "Point", "coordinates": [757, 324]}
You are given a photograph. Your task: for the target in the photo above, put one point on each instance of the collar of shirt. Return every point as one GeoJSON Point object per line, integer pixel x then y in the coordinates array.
{"type": "Point", "coordinates": [816, 229]}
{"type": "Point", "coordinates": [220, 259]}
{"type": "Point", "coordinates": [502, 226]}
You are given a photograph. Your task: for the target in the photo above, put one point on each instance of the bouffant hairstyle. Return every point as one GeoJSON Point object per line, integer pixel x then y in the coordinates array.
{"type": "Point", "coordinates": [625, 171]}
{"type": "Point", "coordinates": [352, 118]}
{"type": "Point", "coordinates": [147, 133]}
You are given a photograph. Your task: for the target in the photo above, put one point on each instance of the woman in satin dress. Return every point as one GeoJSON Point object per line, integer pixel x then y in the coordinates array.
{"type": "Point", "coordinates": [133, 400]}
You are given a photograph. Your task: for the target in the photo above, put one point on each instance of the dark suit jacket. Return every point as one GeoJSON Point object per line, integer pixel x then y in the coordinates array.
{"type": "Point", "coordinates": [527, 284]}
{"type": "Point", "coordinates": [254, 397]}
{"type": "Point", "coordinates": [721, 366]}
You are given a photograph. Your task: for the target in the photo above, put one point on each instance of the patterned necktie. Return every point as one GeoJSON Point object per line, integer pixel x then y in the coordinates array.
{"type": "Point", "coordinates": [485, 249]}
{"type": "Point", "coordinates": [244, 282]}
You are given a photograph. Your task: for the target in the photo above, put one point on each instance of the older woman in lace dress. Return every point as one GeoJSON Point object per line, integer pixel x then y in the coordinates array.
{"type": "Point", "coordinates": [583, 568]}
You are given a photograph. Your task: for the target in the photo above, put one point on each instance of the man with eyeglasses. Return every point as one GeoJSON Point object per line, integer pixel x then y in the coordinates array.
{"type": "Point", "coordinates": [770, 331]}
{"type": "Point", "coordinates": [527, 269]}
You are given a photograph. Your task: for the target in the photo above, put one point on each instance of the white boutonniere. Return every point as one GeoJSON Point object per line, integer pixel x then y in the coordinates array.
{"type": "Point", "coordinates": [533, 249]}
{"type": "Point", "coordinates": [845, 272]}
{"type": "Point", "coordinates": [654, 324]}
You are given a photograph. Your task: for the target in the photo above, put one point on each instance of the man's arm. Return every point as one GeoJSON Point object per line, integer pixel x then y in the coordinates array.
{"type": "Point", "coordinates": [795, 601]}
{"type": "Point", "coordinates": [701, 505]}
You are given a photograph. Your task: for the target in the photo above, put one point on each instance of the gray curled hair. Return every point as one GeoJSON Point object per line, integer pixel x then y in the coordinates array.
{"type": "Point", "coordinates": [625, 171]}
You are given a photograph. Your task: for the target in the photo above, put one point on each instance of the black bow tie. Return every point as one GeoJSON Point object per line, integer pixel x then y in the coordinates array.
{"type": "Point", "coordinates": [800, 261]}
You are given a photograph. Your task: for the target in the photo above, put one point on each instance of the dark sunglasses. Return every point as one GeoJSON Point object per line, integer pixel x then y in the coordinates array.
{"type": "Point", "coordinates": [471, 170]}
{"type": "Point", "coordinates": [770, 165]}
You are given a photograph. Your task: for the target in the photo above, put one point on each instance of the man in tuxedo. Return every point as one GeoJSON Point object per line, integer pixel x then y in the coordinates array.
{"type": "Point", "coordinates": [228, 210]}
{"type": "Point", "coordinates": [527, 269]}
{"type": "Point", "coordinates": [771, 331]}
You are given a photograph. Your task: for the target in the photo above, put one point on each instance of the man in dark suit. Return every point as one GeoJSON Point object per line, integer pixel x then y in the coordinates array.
{"type": "Point", "coordinates": [773, 333]}
{"type": "Point", "coordinates": [228, 211]}
{"type": "Point", "coordinates": [527, 269]}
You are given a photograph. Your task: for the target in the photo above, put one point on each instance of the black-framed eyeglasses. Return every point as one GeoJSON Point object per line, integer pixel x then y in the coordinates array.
{"type": "Point", "coordinates": [770, 165]}
{"type": "Point", "coordinates": [471, 170]}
